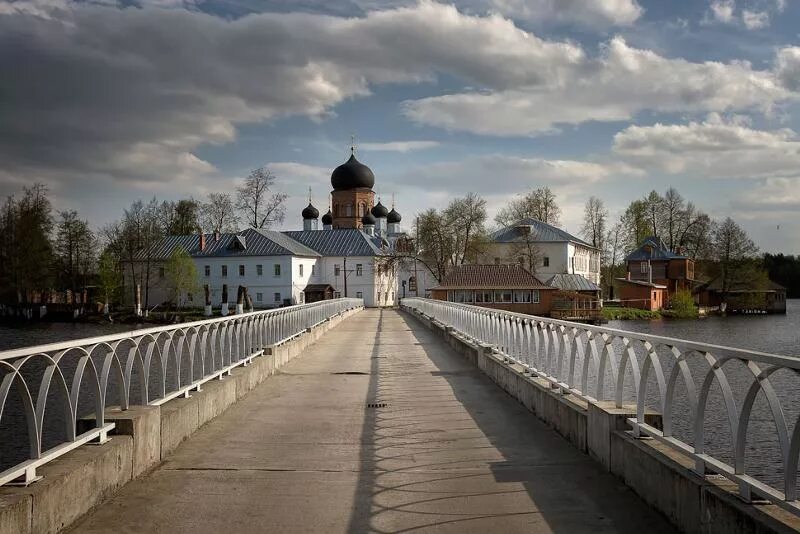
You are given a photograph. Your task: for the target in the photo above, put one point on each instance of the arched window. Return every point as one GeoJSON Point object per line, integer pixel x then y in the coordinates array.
{"type": "Point", "coordinates": [362, 209]}
{"type": "Point", "coordinates": [348, 210]}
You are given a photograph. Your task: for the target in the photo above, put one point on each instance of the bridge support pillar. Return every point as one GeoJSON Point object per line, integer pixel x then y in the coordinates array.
{"type": "Point", "coordinates": [605, 418]}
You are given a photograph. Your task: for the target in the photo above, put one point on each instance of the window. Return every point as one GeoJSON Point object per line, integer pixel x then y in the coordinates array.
{"type": "Point", "coordinates": [224, 271]}
{"type": "Point", "coordinates": [277, 297]}
{"type": "Point", "coordinates": [161, 272]}
{"type": "Point", "coordinates": [302, 297]}
{"type": "Point", "coordinates": [545, 262]}
{"type": "Point", "coordinates": [643, 267]}
{"type": "Point", "coordinates": [259, 270]}
{"type": "Point", "coordinates": [207, 270]}
{"type": "Point", "coordinates": [301, 269]}
{"type": "Point", "coordinates": [535, 295]}
{"type": "Point", "coordinates": [463, 296]}
{"type": "Point", "coordinates": [259, 297]}
{"type": "Point", "coordinates": [359, 295]}
{"type": "Point", "coordinates": [337, 294]}
{"type": "Point", "coordinates": [336, 270]}
{"type": "Point", "coordinates": [241, 270]}
{"type": "Point", "coordinates": [313, 270]}
{"type": "Point", "coordinates": [348, 210]}
{"type": "Point", "coordinates": [412, 284]}
{"type": "Point", "coordinates": [277, 269]}
{"type": "Point", "coordinates": [502, 295]}
{"type": "Point", "coordinates": [484, 297]}
{"type": "Point", "coordinates": [522, 297]}
{"type": "Point", "coordinates": [359, 269]}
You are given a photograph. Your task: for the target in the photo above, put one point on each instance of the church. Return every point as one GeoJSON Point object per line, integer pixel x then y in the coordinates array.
{"type": "Point", "coordinates": [352, 253]}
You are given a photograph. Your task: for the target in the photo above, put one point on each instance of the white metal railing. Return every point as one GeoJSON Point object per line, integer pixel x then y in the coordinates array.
{"type": "Point", "coordinates": [187, 355]}
{"type": "Point", "coordinates": [596, 364]}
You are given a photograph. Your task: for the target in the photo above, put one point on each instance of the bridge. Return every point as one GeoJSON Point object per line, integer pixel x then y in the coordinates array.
{"type": "Point", "coordinates": [435, 417]}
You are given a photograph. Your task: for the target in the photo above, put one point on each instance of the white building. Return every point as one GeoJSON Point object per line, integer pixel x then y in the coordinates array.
{"type": "Point", "coordinates": [543, 249]}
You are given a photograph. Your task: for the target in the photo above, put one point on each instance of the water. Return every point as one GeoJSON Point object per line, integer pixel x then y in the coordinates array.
{"type": "Point", "coordinates": [12, 337]}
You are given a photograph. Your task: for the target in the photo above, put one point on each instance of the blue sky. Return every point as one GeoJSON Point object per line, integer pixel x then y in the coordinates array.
{"type": "Point", "coordinates": [109, 102]}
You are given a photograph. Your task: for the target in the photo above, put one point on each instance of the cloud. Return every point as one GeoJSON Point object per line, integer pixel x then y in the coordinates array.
{"type": "Point", "coordinates": [591, 14]}
{"type": "Point", "coordinates": [754, 17]}
{"type": "Point", "coordinates": [398, 146]}
{"type": "Point", "coordinates": [94, 87]}
{"type": "Point", "coordinates": [615, 86]}
{"type": "Point", "coordinates": [774, 196]}
{"type": "Point", "coordinates": [722, 10]}
{"type": "Point", "coordinates": [787, 67]}
{"type": "Point", "coordinates": [715, 148]}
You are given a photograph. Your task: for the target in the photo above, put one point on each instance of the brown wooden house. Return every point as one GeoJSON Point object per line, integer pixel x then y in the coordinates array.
{"type": "Point", "coordinates": [503, 287]}
{"type": "Point", "coordinates": [654, 274]}
{"type": "Point", "coordinates": [742, 297]}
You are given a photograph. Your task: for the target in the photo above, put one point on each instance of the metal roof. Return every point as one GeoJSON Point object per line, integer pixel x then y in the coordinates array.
{"type": "Point", "coordinates": [494, 276]}
{"type": "Point", "coordinates": [641, 283]}
{"type": "Point", "coordinates": [541, 232]}
{"type": "Point", "coordinates": [653, 248]}
{"type": "Point", "coordinates": [339, 242]}
{"type": "Point", "coordinates": [251, 242]}
{"type": "Point", "coordinates": [572, 282]}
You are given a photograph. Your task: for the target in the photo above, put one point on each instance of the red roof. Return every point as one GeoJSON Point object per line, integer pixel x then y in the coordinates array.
{"type": "Point", "coordinates": [492, 276]}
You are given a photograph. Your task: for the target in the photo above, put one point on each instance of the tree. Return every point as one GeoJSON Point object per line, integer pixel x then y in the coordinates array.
{"type": "Point", "coordinates": [180, 217]}
{"type": "Point", "coordinates": [75, 248]}
{"type": "Point", "coordinates": [635, 225]}
{"type": "Point", "coordinates": [613, 252]}
{"type": "Point", "coordinates": [259, 207]}
{"type": "Point", "coordinates": [594, 222]}
{"type": "Point", "coordinates": [181, 275]}
{"type": "Point", "coordinates": [109, 277]}
{"type": "Point", "coordinates": [654, 211]}
{"type": "Point", "coordinates": [538, 204]}
{"type": "Point", "coordinates": [734, 250]}
{"type": "Point", "coordinates": [218, 213]}
{"type": "Point", "coordinates": [453, 236]}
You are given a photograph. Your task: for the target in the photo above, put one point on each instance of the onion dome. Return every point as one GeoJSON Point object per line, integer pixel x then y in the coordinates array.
{"type": "Point", "coordinates": [327, 219]}
{"type": "Point", "coordinates": [368, 219]}
{"type": "Point", "coordinates": [310, 212]}
{"type": "Point", "coordinates": [380, 211]}
{"type": "Point", "coordinates": [352, 175]}
{"type": "Point", "coordinates": [393, 217]}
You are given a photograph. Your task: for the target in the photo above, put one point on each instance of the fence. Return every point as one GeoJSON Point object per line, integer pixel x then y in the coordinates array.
{"type": "Point", "coordinates": [597, 364]}
{"type": "Point", "coordinates": [159, 364]}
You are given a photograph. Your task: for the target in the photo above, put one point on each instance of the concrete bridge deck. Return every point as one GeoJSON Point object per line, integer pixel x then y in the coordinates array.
{"type": "Point", "coordinates": [451, 452]}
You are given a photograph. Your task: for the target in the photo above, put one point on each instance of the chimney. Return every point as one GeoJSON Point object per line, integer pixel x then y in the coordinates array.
{"type": "Point", "coordinates": [628, 275]}
{"type": "Point", "coordinates": [216, 235]}
{"type": "Point", "coordinates": [202, 241]}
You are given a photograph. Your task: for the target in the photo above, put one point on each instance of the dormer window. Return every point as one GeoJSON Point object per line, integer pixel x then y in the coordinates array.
{"type": "Point", "coordinates": [238, 243]}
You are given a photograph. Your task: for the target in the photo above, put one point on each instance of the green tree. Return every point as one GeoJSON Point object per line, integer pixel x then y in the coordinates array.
{"type": "Point", "coordinates": [682, 305]}
{"type": "Point", "coordinates": [75, 250]}
{"type": "Point", "coordinates": [734, 251]}
{"type": "Point", "coordinates": [181, 274]}
{"type": "Point", "coordinates": [109, 278]}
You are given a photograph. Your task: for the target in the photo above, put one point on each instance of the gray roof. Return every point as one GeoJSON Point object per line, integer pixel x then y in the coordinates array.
{"type": "Point", "coordinates": [653, 248]}
{"type": "Point", "coordinates": [339, 242]}
{"type": "Point", "coordinates": [252, 242]}
{"type": "Point", "coordinates": [572, 282]}
{"type": "Point", "coordinates": [641, 283]}
{"type": "Point", "coordinates": [539, 230]}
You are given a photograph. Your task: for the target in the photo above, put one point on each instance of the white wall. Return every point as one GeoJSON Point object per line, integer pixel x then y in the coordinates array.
{"type": "Point", "coordinates": [559, 255]}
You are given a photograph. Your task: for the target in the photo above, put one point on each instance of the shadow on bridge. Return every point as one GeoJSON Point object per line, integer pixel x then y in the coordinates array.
{"type": "Point", "coordinates": [452, 452]}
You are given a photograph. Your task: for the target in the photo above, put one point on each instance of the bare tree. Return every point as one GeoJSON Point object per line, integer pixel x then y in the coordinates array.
{"type": "Point", "coordinates": [595, 215]}
{"type": "Point", "coordinates": [734, 250]}
{"type": "Point", "coordinates": [538, 204]}
{"type": "Point", "coordinates": [654, 209]}
{"type": "Point", "coordinates": [218, 213]}
{"type": "Point", "coordinates": [260, 207]}
{"type": "Point", "coordinates": [466, 218]}
{"type": "Point", "coordinates": [75, 249]}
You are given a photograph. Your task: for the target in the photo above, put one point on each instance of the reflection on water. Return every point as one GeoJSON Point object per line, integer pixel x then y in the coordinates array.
{"type": "Point", "coordinates": [12, 337]}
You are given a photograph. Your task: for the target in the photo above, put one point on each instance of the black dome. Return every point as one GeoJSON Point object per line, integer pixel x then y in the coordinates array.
{"type": "Point", "coordinates": [310, 212]}
{"type": "Point", "coordinates": [327, 218]}
{"type": "Point", "coordinates": [380, 210]}
{"type": "Point", "coordinates": [393, 217]}
{"type": "Point", "coordinates": [368, 219]}
{"type": "Point", "coordinates": [351, 175]}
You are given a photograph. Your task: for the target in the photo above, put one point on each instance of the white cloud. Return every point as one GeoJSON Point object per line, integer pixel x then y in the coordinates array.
{"type": "Point", "coordinates": [755, 20]}
{"type": "Point", "coordinates": [621, 82]}
{"type": "Point", "coordinates": [398, 146]}
{"type": "Point", "coordinates": [594, 13]}
{"type": "Point", "coordinates": [722, 10]}
{"type": "Point", "coordinates": [714, 148]}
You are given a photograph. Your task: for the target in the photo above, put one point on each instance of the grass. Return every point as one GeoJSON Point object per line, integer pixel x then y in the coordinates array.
{"type": "Point", "coordinates": [626, 314]}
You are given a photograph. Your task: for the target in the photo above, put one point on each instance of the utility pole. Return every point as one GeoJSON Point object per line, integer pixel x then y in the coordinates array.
{"type": "Point", "coordinates": [344, 273]}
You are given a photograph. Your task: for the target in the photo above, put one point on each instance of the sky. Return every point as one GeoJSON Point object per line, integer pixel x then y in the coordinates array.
{"type": "Point", "coordinates": [111, 101]}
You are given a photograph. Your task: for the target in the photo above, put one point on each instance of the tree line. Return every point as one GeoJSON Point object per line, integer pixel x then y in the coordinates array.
{"type": "Point", "coordinates": [43, 248]}
{"type": "Point", "coordinates": [460, 233]}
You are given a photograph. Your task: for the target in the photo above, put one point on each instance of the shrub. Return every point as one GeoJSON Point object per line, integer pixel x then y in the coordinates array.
{"type": "Point", "coordinates": [682, 305]}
